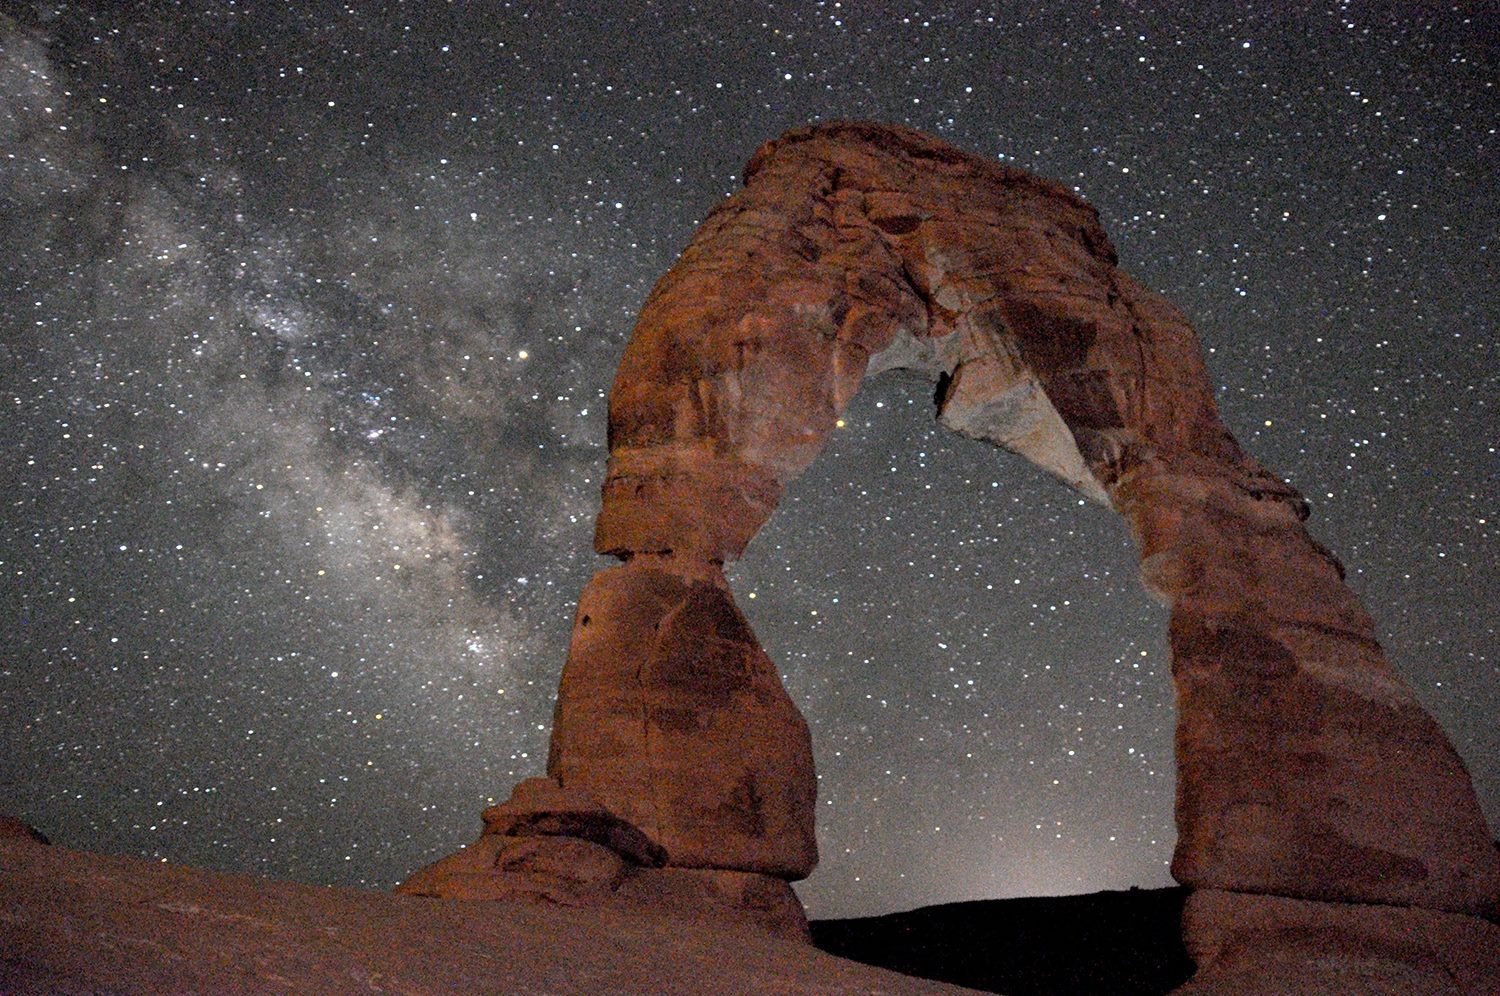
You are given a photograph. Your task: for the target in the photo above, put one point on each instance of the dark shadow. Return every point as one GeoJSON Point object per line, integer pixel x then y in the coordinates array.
{"type": "Point", "coordinates": [1120, 943]}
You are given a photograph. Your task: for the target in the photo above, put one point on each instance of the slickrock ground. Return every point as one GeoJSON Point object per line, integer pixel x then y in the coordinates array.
{"type": "Point", "coordinates": [74, 923]}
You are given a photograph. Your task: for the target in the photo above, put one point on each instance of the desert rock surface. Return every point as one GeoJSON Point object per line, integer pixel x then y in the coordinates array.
{"type": "Point", "coordinates": [75, 923]}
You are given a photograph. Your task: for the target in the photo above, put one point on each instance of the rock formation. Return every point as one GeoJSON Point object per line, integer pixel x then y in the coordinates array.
{"type": "Point", "coordinates": [560, 847]}
{"type": "Point", "coordinates": [1306, 768]}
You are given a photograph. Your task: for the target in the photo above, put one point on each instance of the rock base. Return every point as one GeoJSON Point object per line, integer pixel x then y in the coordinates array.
{"type": "Point", "coordinates": [556, 847]}
{"type": "Point", "coordinates": [1248, 944]}
{"type": "Point", "coordinates": [78, 924]}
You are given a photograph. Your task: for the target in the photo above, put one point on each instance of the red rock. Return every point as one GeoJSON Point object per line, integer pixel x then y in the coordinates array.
{"type": "Point", "coordinates": [671, 715]}
{"type": "Point", "coordinates": [1269, 944]}
{"type": "Point", "coordinates": [544, 867]}
{"type": "Point", "coordinates": [14, 829]}
{"type": "Point", "coordinates": [746, 898]}
{"type": "Point", "coordinates": [1306, 766]}
{"type": "Point", "coordinates": [540, 806]}
{"type": "Point", "coordinates": [72, 922]}
{"type": "Point", "coordinates": [564, 870]}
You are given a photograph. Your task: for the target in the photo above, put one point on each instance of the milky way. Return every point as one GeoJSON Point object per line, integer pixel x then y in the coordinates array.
{"type": "Point", "coordinates": [309, 317]}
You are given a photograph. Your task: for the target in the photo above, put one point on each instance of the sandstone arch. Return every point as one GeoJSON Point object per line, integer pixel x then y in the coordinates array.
{"type": "Point", "coordinates": [1306, 768]}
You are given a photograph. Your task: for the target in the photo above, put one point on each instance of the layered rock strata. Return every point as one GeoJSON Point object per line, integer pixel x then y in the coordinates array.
{"type": "Point", "coordinates": [558, 847]}
{"type": "Point", "coordinates": [1306, 767]}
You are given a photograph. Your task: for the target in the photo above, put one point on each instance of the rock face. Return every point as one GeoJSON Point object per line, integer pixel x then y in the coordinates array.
{"type": "Point", "coordinates": [1253, 944]}
{"type": "Point", "coordinates": [1306, 768]}
{"type": "Point", "coordinates": [558, 847]}
{"type": "Point", "coordinates": [671, 714]}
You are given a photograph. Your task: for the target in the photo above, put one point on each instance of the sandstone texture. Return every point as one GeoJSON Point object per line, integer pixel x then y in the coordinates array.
{"type": "Point", "coordinates": [78, 923]}
{"type": "Point", "coordinates": [1296, 947]}
{"type": "Point", "coordinates": [1306, 767]}
{"type": "Point", "coordinates": [671, 715]}
{"type": "Point", "coordinates": [553, 846]}
{"type": "Point", "coordinates": [541, 806]}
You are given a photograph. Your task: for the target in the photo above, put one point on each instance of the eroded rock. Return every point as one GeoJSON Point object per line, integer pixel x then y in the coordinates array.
{"type": "Point", "coordinates": [542, 807]}
{"type": "Point", "coordinates": [561, 870]}
{"type": "Point", "coordinates": [567, 871]}
{"type": "Point", "coordinates": [1306, 766]}
{"type": "Point", "coordinates": [671, 715]}
{"type": "Point", "coordinates": [746, 898]}
{"type": "Point", "coordinates": [555, 844]}
{"type": "Point", "coordinates": [1251, 944]}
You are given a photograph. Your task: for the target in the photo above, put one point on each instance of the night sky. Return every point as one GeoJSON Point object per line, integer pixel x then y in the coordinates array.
{"type": "Point", "coordinates": [308, 314]}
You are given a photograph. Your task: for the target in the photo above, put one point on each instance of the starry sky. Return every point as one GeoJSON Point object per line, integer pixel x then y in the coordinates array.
{"type": "Point", "coordinates": [309, 313]}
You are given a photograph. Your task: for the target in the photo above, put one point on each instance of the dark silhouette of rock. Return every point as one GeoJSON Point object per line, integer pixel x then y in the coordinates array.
{"type": "Point", "coordinates": [1306, 767]}
{"type": "Point", "coordinates": [1120, 943]}
{"type": "Point", "coordinates": [1254, 944]}
{"type": "Point", "coordinates": [1130, 944]}
{"type": "Point", "coordinates": [78, 923]}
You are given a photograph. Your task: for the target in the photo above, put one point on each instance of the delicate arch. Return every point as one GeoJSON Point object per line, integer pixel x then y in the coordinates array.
{"type": "Point", "coordinates": [858, 247]}
{"type": "Point", "coordinates": [1306, 768]}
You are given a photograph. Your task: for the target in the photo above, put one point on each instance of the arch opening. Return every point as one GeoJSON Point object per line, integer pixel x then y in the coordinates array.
{"type": "Point", "coordinates": [949, 681]}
